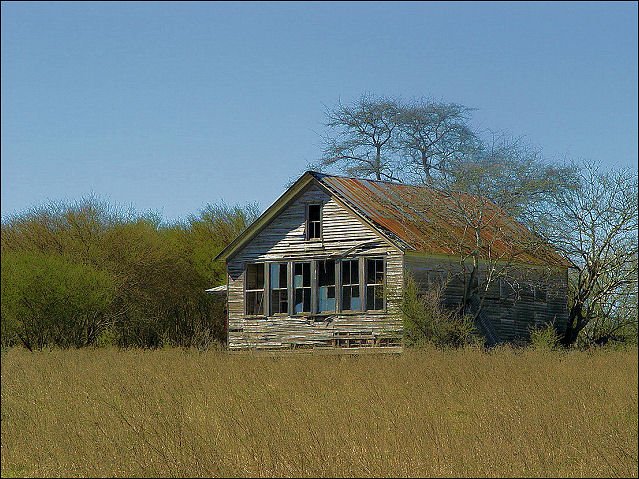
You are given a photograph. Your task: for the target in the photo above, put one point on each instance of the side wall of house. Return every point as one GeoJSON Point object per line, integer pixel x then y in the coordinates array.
{"type": "Point", "coordinates": [511, 308]}
{"type": "Point", "coordinates": [284, 240]}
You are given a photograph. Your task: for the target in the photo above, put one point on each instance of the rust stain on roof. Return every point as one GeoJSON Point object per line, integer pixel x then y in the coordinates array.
{"type": "Point", "coordinates": [430, 221]}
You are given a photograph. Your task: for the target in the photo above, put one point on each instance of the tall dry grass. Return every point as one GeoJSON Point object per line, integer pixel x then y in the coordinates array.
{"type": "Point", "coordinates": [432, 413]}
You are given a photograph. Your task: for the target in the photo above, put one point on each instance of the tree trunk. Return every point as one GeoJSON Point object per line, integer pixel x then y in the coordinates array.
{"type": "Point", "coordinates": [575, 324]}
{"type": "Point", "coordinates": [471, 290]}
{"type": "Point", "coordinates": [426, 166]}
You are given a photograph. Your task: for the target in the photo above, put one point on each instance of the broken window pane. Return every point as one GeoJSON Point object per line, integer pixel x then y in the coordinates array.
{"type": "Point", "coordinates": [541, 293]}
{"type": "Point", "coordinates": [436, 279]}
{"type": "Point", "coordinates": [375, 284]}
{"type": "Point", "coordinates": [255, 302]}
{"type": "Point", "coordinates": [279, 288]}
{"type": "Point", "coordinates": [375, 298]}
{"type": "Point", "coordinates": [326, 283]}
{"type": "Point", "coordinates": [255, 276]}
{"type": "Point", "coordinates": [350, 285]}
{"type": "Point", "coordinates": [507, 290]}
{"type": "Point", "coordinates": [254, 297]}
{"type": "Point", "coordinates": [302, 285]}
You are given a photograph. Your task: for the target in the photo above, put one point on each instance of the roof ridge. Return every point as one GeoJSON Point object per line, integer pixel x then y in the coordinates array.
{"type": "Point", "coordinates": [320, 175]}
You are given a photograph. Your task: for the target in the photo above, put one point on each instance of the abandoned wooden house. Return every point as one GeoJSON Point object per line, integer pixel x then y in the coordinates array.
{"type": "Point", "coordinates": [325, 266]}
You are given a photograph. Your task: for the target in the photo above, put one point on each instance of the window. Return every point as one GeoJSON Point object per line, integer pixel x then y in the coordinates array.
{"type": "Point", "coordinates": [314, 222]}
{"type": "Point", "coordinates": [350, 285]}
{"type": "Point", "coordinates": [279, 288]}
{"type": "Point", "coordinates": [507, 290]}
{"type": "Point", "coordinates": [302, 286]}
{"type": "Point", "coordinates": [326, 284]}
{"type": "Point", "coordinates": [540, 292]}
{"type": "Point", "coordinates": [311, 287]}
{"type": "Point", "coordinates": [254, 299]}
{"type": "Point", "coordinates": [375, 284]}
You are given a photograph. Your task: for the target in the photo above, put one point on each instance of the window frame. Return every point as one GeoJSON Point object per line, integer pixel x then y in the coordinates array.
{"type": "Point", "coordinates": [365, 306]}
{"type": "Point", "coordinates": [538, 288]}
{"type": "Point", "coordinates": [342, 284]}
{"type": "Point", "coordinates": [311, 288]}
{"type": "Point", "coordinates": [307, 222]}
{"type": "Point", "coordinates": [315, 262]}
{"type": "Point", "coordinates": [316, 287]}
{"type": "Point", "coordinates": [247, 290]}
{"type": "Point", "coordinates": [286, 288]}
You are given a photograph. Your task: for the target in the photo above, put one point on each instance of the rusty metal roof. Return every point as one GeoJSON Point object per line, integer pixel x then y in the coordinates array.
{"type": "Point", "coordinates": [430, 221]}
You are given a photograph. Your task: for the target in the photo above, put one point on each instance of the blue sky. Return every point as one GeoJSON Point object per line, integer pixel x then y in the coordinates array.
{"type": "Point", "coordinates": [169, 106]}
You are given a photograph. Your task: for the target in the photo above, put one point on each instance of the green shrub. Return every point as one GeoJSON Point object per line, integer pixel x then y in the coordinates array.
{"type": "Point", "coordinates": [544, 337]}
{"type": "Point", "coordinates": [59, 258]}
{"type": "Point", "coordinates": [427, 321]}
{"type": "Point", "coordinates": [48, 300]}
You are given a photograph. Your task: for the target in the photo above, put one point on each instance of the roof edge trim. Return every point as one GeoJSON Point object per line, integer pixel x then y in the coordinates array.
{"type": "Point", "coordinates": [265, 218]}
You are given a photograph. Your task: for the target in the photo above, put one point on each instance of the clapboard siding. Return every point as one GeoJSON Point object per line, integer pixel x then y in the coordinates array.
{"type": "Point", "coordinates": [284, 239]}
{"type": "Point", "coordinates": [511, 319]}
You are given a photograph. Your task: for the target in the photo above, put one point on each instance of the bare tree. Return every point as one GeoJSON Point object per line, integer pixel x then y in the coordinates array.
{"type": "Point", "coordinates": [430, 134]}
{"type": "Point", "coordinates": [362, 138]}
{"type": "Point", "coordinates": [511, 173]}
{"type": "Point", "coordinates": [595, 227]}
{"type": "Point", "coordinates": [587, 216]}
{"type": "Point", "coordinates": [481, 197]}
{"type": "Point", "coordinates": [490, 246]}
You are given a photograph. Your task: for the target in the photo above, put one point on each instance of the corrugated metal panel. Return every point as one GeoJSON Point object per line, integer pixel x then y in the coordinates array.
{"type": "Point", "coordinates": [428, 221]}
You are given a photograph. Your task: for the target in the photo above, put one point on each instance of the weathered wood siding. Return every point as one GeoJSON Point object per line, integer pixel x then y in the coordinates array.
{"type": "Point", "coordinates": [511, 319]}
{"type": "Point", "coordinates": [284, 239]}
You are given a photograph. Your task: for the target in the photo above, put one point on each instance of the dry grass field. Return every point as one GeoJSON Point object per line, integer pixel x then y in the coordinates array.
{"type": "Point", "coordinates": [429, 413]}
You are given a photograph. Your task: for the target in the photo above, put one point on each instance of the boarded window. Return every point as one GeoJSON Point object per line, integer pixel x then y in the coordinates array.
{"type": "Point", "coordinates": [302, 286]}
{"type": "Point", "coordinates": [326, 284]}
{"type": "Point", "coordinates": [279, 288]}
{"type": "Point", "coordinates": [254, 298]}
{"type": "Point", "coordinates": [375, 284]}
{"type": "Point", "coordinates": [314, 222]}
{"type": "Point", "coordinates": [351, 300]}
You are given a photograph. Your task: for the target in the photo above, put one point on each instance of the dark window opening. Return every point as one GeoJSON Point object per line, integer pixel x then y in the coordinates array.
{"type": "Point", "coordinates": [302, 286]}
{"type": "Point", "coordinates": [375, 284]}
{"type": "Point", "coordinates": [314, 222]}
{"type": "Point", "coordinates": [254, 299]}
{"type": "Point", "coordinates": [351, 300]}
{"type": "Point", "coordinates": [279, 288]}
{"type": "Point", "coordinates": [326, 283]}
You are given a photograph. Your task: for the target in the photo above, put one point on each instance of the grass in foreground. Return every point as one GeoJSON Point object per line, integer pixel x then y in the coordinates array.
{"type": "Point", "coordinates": [430, 413]}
